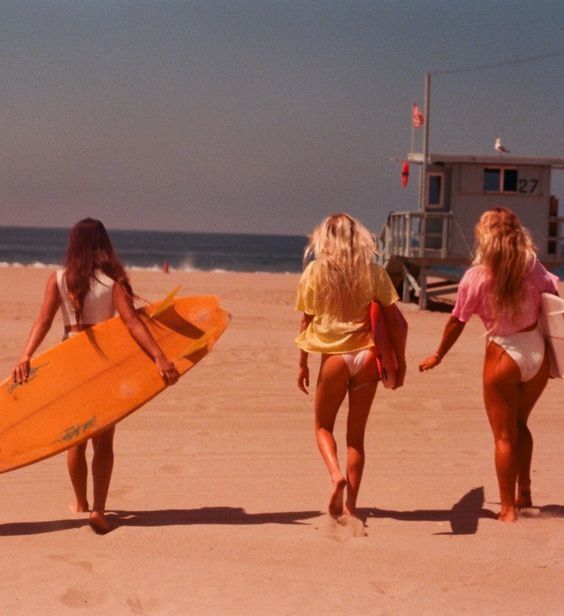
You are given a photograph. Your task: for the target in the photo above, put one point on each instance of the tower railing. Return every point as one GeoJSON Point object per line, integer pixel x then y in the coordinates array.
{"type": "Point", "coordinates": [426, 234]}
{"type": "Point", "coordinates": [415, 234]}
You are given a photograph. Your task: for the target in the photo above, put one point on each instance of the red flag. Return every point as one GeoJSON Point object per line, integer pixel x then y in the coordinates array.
{"type": "Point", "coordinates": [417, 117]}
{"type": "Point", "coordinates": [404, 173]}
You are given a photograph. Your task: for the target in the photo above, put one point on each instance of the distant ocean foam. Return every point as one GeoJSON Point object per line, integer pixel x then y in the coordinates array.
{"type": "Point", "coordinates": [150, 250]}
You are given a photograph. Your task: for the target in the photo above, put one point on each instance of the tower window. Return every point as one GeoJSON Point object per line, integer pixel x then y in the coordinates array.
{"type": "Point", "coordinates": [498, 179]}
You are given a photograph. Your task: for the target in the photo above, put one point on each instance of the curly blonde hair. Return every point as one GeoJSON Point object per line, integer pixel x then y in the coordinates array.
{"type": "Point", "coordinates": [343, 249]}
{"type": "Point", "coordinates": [505, 248]}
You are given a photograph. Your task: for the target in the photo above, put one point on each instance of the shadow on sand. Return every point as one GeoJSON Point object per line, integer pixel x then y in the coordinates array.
{"type": "Point", "coordinates": [463, 516]}
{"type": "Point", "coordinates": [164, 517]}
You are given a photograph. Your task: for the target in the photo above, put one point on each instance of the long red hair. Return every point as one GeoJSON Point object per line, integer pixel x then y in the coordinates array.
{"type": "Point", "coordinates": [90, 250]}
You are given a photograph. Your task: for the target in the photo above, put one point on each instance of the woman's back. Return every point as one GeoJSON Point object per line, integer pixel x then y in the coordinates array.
{"type": "Point", "coordinates": [98, 303]}
{"type": "Point", "coordinates": [331, 332]}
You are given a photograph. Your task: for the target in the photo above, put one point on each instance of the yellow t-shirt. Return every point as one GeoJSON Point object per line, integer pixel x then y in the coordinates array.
{"type": "Point", "coordinates": [326, 333]}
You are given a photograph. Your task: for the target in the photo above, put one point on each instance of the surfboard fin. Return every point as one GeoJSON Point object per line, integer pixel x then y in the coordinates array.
{"type": "Point", "coordinates": [166, 302]}
{"type": "Point", "coordinates": [197, 345]}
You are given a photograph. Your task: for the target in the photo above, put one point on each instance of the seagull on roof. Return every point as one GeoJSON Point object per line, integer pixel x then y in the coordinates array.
{"type": "Point", "coordinates": [499, 146]}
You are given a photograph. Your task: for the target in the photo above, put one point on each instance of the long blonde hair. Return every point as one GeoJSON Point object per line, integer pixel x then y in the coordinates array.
{"type": "Point", "coordinates": [505, 248]}
{"type": "Point", "coordinates": [343, 249]}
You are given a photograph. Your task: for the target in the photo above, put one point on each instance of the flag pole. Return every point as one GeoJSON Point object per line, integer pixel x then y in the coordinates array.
{"type": "Point", "coordinates": [427, 112]}
{"type": "Point", "coordinates": [412, 148]}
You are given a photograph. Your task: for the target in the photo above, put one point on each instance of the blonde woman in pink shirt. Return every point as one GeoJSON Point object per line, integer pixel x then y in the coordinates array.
{"type": "Point", "coordinates": [503, 287]}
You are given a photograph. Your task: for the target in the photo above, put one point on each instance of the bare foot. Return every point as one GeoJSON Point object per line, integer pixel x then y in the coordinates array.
{"type": "Point", "coordinates": [349, 510]}
{"type": "Point", "coordinates": [523, 499]}
{"type": "Point", "coordinates": [98, 523]}
{"type": "Point", "coordinates": [336, 500]}
{"type": "Point", "coordinates": [80, 507]}
{"type": "Point", "coordinates": [507, 515]}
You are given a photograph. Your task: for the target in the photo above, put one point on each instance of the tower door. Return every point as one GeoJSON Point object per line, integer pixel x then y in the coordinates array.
{"type": "Point", "coordinates": [437, 201]}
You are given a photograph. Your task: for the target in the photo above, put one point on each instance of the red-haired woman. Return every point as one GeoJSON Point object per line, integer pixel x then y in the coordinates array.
{"type": "Point", "coordinates": [89, 290]}
{"type": "Point", "coordinates": [503, 288]}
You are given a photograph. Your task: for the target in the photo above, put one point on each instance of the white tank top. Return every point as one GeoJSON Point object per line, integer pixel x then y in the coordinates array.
{"type": "Point", "coordinates": [98, 303]}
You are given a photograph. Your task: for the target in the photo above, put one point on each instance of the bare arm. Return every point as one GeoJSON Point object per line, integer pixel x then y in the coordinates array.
{"type": "Point", "coordinates": [39, 329]}
{"type": "Point", "coordinates": [303, 370]}
{"type": "Point", "coordinates": [451, 333]}
{"type": "Point", "coordinates": [141, 335]}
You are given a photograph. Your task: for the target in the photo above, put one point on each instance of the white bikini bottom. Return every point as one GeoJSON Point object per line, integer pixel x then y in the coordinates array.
{"type": "Point", "coordinates": [355, 361]}
{"type": "Point", "coordinates": [525, 348]}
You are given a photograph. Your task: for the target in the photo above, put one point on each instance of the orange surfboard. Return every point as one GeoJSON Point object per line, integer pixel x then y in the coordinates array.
{"type": "Point", "coordinates": [81, 386]}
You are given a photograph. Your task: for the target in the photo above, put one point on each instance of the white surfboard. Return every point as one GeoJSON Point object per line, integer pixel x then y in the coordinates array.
{"type": "Point", "coordinates": [552, 320]}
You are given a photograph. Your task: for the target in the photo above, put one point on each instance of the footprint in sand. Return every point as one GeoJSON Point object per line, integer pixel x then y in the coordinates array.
{"type": "Point", "coordinates": [79, 597]}
{"type": "Point", "coordinates": [172, 469]}
{"type": "Point", "coordinates": [68, 558]}
{"type": "Point", "coordinates": [341, 529]}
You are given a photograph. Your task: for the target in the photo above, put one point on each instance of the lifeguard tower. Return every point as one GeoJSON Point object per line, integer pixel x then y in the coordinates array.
{"type": "Point", "coordinates": [427, 250]}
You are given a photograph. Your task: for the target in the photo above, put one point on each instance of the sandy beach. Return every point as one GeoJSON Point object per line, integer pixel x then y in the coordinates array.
{"type": "Point", "coordinates": [218, 495]}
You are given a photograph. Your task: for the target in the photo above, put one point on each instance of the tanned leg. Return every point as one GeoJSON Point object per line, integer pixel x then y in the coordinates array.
{"type": "Point", "coordinates": [102, 466]}
{"type": "Point", "coordinates": [501, 397]}
{"type": "Point", "coordinates": [331, 389]}
{"type": "Point", "coordinates": [530, 392]}
{"type": "Point", "coordinates": [78, 472]}
{"type": "Point", "coordinates": [361, 394]}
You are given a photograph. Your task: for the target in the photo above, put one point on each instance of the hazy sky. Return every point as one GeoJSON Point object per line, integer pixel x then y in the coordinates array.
{"type": "Point", "coordinates": [258, 115]}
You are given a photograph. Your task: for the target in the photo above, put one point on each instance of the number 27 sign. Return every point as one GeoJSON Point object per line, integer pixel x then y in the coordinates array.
{"type": "Point", "coordinates": [527, 186]}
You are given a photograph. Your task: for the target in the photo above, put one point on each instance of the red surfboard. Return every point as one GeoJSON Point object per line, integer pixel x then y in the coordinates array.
{"type": "Point", "coordinates": [386, 360]}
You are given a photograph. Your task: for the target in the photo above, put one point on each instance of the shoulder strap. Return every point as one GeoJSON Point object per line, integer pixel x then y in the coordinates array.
{"type": "Point", "coordinates": [65, 301]}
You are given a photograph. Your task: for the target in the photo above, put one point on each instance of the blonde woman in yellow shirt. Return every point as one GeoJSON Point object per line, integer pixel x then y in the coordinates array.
{"type": "Point", "coordinates": [334, 294]}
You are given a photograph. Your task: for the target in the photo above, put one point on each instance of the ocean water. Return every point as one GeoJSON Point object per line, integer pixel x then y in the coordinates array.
{"type": "Point", "coordinates": [41, 247]}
